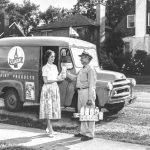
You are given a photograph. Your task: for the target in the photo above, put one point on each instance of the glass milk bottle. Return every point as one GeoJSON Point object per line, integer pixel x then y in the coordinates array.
{"type": "Point", "coordinates": [63, 72]}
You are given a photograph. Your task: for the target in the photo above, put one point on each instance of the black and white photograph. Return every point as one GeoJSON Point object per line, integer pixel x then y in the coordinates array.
{"type": "Point", "coordinates": [74, 74]}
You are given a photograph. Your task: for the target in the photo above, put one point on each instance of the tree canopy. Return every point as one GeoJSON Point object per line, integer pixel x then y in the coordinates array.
{"type": "Point", "coordinates": [53, 14]}
{"type": "Point", "coordinates": [115, 10]}
{"type": "Point", "coordinates": [86, 8]}
{"type": "Point", "coordinates": [3, 4]}
{"type": "Point", "coordinates": [28, 15]}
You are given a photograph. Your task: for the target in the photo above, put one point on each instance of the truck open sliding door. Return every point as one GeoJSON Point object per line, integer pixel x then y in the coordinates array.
{"type": "Point", "coordinates": [41, 63]}
{"type": "Point", "coordinates": [66, 86]}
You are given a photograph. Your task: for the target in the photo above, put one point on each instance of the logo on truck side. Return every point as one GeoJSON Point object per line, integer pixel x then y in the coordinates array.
{"type": "Point", "coordinates": [16, 58]}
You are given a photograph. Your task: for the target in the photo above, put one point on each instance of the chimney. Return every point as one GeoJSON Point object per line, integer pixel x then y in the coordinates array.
{"type": "Point", "coordinates": [6, 25]}
{"type": "Point", "coordinates": [4, 19]}
{"type": "Point", "coordinates": [100, 19]}
{"type": "Point", "coordinates": [140, 18]}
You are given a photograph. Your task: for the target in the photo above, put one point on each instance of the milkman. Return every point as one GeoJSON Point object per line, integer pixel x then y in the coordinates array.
{"type": "Point", "coordinates": [86, 86]}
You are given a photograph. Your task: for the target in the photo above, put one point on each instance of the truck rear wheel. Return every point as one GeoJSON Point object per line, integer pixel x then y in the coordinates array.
{"type": "Point", "coordinates": [11, 100]}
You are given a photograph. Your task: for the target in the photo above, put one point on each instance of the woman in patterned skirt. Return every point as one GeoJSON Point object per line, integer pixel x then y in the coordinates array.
{"type": "Point", "coordinates": [50, 96]}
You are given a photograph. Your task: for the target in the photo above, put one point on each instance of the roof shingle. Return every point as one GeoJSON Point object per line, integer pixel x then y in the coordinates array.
{"type": "Point", "coordinates": [70, 21]}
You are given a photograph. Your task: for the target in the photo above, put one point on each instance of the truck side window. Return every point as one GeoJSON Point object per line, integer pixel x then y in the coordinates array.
{"type": "Point", "coordinates": [65, 58]}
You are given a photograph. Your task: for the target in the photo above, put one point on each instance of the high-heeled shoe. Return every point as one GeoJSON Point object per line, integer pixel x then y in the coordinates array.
{"type": "Point", "coordinates": [47, 130]}
{"type": "Point", "coordinates": [54, 133]}
{"type": "Point", "coordinates": [51, 135]}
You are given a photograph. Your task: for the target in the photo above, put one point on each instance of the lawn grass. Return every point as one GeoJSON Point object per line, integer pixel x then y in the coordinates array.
{"type": "Point", "coordinates": [133, 138]}
{"type": "Point", "coordinates": [8, 146]}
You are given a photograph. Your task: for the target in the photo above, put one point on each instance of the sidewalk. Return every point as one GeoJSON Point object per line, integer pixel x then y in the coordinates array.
{"type": "Point", "coordinates": [62, 141]}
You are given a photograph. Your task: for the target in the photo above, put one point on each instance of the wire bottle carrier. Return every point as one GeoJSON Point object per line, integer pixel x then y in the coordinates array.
{"type": "Point", "coordinates": [89, 113]}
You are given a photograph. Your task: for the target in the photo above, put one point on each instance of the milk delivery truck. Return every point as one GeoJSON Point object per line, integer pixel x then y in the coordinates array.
{"type": "Point", "coordinates": [21, 62]}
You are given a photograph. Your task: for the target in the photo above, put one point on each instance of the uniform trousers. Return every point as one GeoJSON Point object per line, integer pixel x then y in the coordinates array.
{"type": "Point", "coordinates": [87, 128]}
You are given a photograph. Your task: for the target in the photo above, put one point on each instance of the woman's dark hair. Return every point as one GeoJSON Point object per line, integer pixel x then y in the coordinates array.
{"type": "Point", "coordinates": [48, 54]}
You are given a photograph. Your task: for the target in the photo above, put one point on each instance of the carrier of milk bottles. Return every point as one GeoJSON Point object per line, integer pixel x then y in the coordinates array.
{"type": "Point", "coordinates": [89, 113]}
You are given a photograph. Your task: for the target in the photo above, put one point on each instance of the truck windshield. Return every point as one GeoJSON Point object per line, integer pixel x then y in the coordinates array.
{"type": "Point", "coordinates": [78, 51]}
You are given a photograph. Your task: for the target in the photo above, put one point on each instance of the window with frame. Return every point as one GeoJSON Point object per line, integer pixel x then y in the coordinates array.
{"type": "Point", "coordinates": [148, 19]}
{"type": "Point", "coordinates": [43, 33]}
{"type": "Point", "coordinates": [130, 21]}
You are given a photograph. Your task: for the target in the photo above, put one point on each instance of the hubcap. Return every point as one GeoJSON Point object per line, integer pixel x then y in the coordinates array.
{"type": "Point", "coordinates": [12, 101]}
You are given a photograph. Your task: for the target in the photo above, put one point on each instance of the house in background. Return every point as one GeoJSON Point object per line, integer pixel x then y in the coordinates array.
{"type": "Point", "coordinates": [7, 30]}
{"type": "Point", "coordinates": [136, 27]}
{"type": "Point", "coordinates": [13, 31]}
{"type": "Point", "coordinates": [78, 26]}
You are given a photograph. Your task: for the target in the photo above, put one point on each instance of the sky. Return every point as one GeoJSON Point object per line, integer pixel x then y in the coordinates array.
{"type": "Point", "coordinates": [44, 4]}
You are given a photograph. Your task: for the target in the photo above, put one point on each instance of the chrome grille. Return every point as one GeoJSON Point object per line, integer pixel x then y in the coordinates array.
{"type": "Point", "coordinates": [121, 89]}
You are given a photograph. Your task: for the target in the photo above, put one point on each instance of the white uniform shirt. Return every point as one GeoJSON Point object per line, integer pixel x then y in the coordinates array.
{"type": "Point", "coordinates": [86, 78]}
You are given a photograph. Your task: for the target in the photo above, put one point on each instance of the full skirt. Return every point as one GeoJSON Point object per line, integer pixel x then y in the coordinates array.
{"type": "Point", "coordinates": [50, 102]}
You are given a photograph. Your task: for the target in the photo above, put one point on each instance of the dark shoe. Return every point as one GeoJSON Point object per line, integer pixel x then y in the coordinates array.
{"type": "Point", "coordinates": [86, 138]}
{"type": "Point", "coordinates": [78, 135]}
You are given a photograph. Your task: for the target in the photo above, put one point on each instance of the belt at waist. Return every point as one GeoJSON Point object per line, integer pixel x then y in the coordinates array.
{"type": "Point", "coordinates": [82, 88]}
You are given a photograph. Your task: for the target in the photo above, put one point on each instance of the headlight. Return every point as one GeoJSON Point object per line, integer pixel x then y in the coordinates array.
{"type": "Point", "coordinates": [133, 82]}
{"type": "Point", "coordinates": [109, 86]}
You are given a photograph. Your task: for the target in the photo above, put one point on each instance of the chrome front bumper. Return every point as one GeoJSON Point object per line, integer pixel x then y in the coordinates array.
{"type": "Point", "coordinates": [128, 100]}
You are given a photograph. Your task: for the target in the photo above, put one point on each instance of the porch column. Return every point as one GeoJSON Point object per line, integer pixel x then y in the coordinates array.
{"type": "Point", "coordinates": [140, 39]}
{"type": "Point", "coordinates": [140, 18]}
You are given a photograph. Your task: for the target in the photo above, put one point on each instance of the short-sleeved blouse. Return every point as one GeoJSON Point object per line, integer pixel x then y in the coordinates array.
{"type": "Point", "coordinates": [50, 71]}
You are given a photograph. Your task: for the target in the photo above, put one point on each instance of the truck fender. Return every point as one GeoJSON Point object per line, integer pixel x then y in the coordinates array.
{"type": "Point", "coordinates": [102, 95]}
{"type": "Point", "coordinates": [102, 92]}
{"type": "Point", "coordinates": [12, 84]}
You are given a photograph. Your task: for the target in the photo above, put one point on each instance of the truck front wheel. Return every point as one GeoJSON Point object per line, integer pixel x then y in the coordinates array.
{"type": "Point", "coordinates": [114, 108]}
{"type": "Point", "coordinates": [11, 100]}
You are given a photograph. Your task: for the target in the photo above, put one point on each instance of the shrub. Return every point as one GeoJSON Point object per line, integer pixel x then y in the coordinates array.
{"type": "Point", "coordinates": [122, 59]}
{"type": "Point", "coordinates": [114, 43]}
{"type": "Point", "coordinates": [140, 54]}
{"type": "Point", "coordinates": [110, 65]}
{"type": "Point", "coordinates": [133, 67]}
{"type": "Point", "coordinates": [106, 62]}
